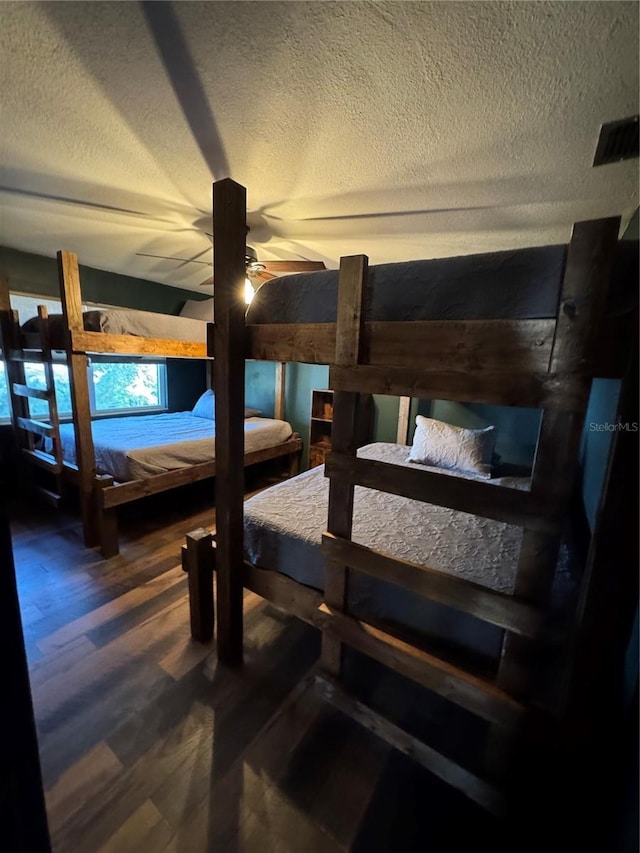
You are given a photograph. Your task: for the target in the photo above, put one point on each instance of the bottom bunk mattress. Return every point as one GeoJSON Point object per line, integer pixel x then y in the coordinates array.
{"type": "Point", "coordinates": [284, 526]}
{"type": "Point", "coordinates": [142, 446]}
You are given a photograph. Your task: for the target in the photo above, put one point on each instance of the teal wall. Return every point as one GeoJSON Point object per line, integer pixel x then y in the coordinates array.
{"type": "Point", "coordinates": [260, 386]}
{"type": "Point", "coordinates": [517, 428]}
{"type": "Point", "coordinates": [596, 441]}
{"type": "Point", "coordinates": [301, 379]}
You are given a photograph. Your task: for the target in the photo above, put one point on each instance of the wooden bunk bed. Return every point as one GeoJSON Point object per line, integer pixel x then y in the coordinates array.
{"type": "Point", "coordinates": [67, 341]}
{"type": "Point", "coordinates": [546, 364]}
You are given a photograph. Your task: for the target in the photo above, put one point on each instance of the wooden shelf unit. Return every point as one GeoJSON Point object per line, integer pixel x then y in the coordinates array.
{"type": "Point", "coordinates": [321, 422]}
{"type": "Point", "coordinates": [320, 426]}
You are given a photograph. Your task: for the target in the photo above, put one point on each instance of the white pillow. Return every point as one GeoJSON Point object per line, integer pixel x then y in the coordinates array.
{"type": "Point", "coordinates": [198, 309]}
{"type": "Point", "coordinates": [447, 446]}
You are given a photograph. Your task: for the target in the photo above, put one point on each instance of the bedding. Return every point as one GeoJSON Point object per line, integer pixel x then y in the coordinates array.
{"type": "Point", "coordinates": [125, 321]}
{"type": "Point", "coordinates": [198, 309]}
{"type": "Point", "coordinates": [141, 446]}
{"type": "Point", "coordinates": [452, 447]}
{"type": "Point", "coordinates": [284, 525]}
{"type": "Point", "coordinates": [205, 407]}
{"type": "Point", "coordinates": [518, 284]}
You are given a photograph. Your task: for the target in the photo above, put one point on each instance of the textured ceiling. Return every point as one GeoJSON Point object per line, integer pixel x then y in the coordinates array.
{"type": "Point", "coordinates": [402, 130]}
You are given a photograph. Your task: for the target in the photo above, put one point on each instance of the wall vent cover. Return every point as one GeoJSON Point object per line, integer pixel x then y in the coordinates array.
{"type": "Point", "coordinates": [618, 141]}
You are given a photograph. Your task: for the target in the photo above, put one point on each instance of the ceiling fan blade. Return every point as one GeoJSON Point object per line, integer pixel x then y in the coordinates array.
{"type": "Point", "coordinates": [259, 276]}
{"type": "Point", "coordinates": [173, 258]}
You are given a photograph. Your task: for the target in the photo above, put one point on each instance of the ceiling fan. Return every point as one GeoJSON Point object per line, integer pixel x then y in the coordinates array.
{"type": "Point", "coordinates": [260, 271]}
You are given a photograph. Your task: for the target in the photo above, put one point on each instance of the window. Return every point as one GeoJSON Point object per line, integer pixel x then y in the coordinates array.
{"type": "Point", "coordinates": [115, 385]}
{"type": "Point", "coordinates": [118, 386]}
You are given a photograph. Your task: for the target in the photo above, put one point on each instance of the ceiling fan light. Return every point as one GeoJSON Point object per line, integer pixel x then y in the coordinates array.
{"type": "Point", "coordinates": [249, 292]}
{"type": "Point", "coordinates": [251, 261]}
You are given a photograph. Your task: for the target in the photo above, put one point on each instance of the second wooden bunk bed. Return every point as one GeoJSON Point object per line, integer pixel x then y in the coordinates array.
{"type": "Point", "coordinates": [542, 364]}
{"type": "Point", "coordinates": [71, 344]}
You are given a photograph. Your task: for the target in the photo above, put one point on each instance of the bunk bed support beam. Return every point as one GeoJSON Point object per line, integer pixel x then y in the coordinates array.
{"type": "Point", "coordinates": [353, 279]}
{"type": "Point", "coordinates": [198, 561]}
{"type": "Point", "coordinates": [69, 279]}
{"type": "Point", "coordinates": [583, 298]}
{"type": "Point", "coordinates": [229, 227]}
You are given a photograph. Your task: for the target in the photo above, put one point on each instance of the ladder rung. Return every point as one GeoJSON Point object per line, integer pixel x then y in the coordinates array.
{"type": "Point", "coordinates": [43, 460]}
{"type": "Point", "coordinates": [444, 768]}
{"type": "Point", "coordinates": [49, 497]}
{"type": "Point", "coordinates": [476, 694]}
{"type": "Point", "coordinates": [34, 393]}
{"type": "Point", "coordinates": [35, 355]}
{"type": "Point", "coordinates": [37, 427]}
{"type": "Point", "coordinates": [480, 601]}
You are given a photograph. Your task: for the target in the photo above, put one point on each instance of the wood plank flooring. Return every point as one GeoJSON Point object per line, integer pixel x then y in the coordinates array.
{"type": "Point", "coordinates": [147, 745]}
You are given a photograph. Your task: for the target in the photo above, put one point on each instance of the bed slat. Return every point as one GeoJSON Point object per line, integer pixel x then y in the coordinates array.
{"type": "Point", "coordinates": [512, 506]}
{"type": "Point", "coordinates": [473, 598]}
{"type": "Point", "coordinates": [460, 686]}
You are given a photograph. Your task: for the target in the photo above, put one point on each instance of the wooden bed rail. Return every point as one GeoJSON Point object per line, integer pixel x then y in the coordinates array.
{"type": "Point", "coordinates": [450, 350]}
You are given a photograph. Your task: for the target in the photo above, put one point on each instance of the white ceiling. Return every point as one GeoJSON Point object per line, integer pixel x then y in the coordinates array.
{"type": "Point", "coordinates": [402, 130]}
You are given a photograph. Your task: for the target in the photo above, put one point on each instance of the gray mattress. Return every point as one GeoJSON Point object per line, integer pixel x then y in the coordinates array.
{"type": "Point", "coordinates": [142, 446]}
{"type": "Point", "coordinates": [522, 284]}
{"type": "Point", "coordinates": [126, 321]}
{"type": "Point", "coordinates": [284, 525]}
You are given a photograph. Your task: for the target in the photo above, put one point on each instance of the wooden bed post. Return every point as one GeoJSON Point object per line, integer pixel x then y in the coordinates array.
{"type": "Point", "coordinates": [106, 519]}
{"type": "Point", "coordinates": [198, 558]}
{"type": "Point", "coordinates": [582, 304]}
{"type": "Point", "coordinates": [404, 416]}
{"type": "Point", "coordinates": [344, 433]}
{"type": "Point", "coordinates": [69, 280]}
{"type": "Point", "coordinates": [281, 387]}
{"type": "Point", "coordinates": [229, 229]}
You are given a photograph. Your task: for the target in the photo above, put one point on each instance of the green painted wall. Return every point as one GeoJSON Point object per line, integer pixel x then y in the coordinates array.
{"type": "Point", "coordinates": [37, 274]}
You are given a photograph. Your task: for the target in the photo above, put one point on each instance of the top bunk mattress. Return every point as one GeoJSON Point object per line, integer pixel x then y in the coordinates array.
{"type": "Point", "coordinates": [521, 284]}
{"type": "Point", "coordinates": [126, 321]}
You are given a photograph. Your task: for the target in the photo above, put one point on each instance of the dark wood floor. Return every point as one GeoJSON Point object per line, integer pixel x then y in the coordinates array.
{"type": "Point", "coordinates": [147, 745]}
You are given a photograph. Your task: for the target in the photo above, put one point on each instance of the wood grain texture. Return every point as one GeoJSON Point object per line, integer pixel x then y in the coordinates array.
{"type": "Point", "coordinates": [480, 601]}
{"type": "Point", "coordinates": [404, 414]}
{"type": "Point", "coordinates": [493, 346]}
{"type": "Point", "coordinates": [229, 232]}
{"type": "Point", "coordinates": [103, 342]}
{"type": "Point", "coordinates": [585, 285]}
{"type": "Point", "coordinates": [460, 686]}
{"type": "Point", "coordinates": [531, 390]}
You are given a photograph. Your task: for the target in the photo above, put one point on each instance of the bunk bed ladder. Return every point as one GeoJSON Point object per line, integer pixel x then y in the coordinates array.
{"type": "Point", "coordinates": [562, 394]}
{"type": "Point", "coordinates": [30, 431]}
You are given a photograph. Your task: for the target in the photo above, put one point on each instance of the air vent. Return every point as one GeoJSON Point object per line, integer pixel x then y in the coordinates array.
{"type": "Point", "coordinates": [618, 141]}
